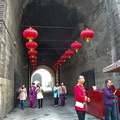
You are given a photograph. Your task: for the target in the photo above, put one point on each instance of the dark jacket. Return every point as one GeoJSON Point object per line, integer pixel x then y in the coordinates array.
{"type": "Point", "coordinates": [108, 96]}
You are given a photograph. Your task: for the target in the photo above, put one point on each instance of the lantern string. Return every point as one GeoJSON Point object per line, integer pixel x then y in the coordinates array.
{"type": "Point", "coordinates": [45, 40]}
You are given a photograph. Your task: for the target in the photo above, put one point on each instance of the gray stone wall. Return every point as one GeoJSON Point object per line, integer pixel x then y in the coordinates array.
{"type": "Point", "coordinates": [12, 56]}
{"type": "Point", "coordinates": [102, 16]}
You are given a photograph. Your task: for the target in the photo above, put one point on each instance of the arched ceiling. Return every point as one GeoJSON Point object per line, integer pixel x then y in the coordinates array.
{"type": "Point", "coordinates": [57, 26]}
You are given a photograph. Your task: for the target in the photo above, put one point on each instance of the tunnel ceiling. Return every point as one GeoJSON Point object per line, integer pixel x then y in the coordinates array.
{"type": "Point", "coordinates": [57, 26]}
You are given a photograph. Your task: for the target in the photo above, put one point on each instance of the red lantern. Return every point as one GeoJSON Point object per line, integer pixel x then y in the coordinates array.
{"type": "Point", "coordinates": [34, 68]}
{"type": "Point", "coordinates": [32, 57]}
{"type": "Point", "coordinates": [33, 61]}
{"type": "Point", "coordinates": [32, 52]}
{"type": "Point", "coordinates": [31, 45]}
{"type": "Point", "coordinates": [69, 53]}
{"type": "Point", "coordinates": [64, 57]}
{"type": "Point", "coordinates": [33, 64]}
{"type": "Point", "coordinates": [30, 33]}
{"type": "Point", "coordinates": [60, 61]}
{"type": "Point", "coordinates": [76, 45]}
{"type": "Point", "coordinates": [53, 68]}
{"type": "Point", "coordinates": [87, 34]}
{"type": "Point", "coordinates": [57, 64]}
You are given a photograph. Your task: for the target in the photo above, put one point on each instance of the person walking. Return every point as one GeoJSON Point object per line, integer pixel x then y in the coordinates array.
{"type": "Point", "coordinates": [56, 90]}
{"type": "Point", "coordinates": [32, 95]}
{"type": "Point", "coordinates": [109, 101]}
{"type": "Point", "coordinates": [80, 98]}
{"type": "Point", "coordinates": [39, 91]}
{"type": "Point", "coordinates": [22, 95]}
{"type": "Point", "coordinates": [63, 92]}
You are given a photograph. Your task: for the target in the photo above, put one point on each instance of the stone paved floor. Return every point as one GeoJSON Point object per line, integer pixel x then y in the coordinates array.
{"type": "Point", "coordinates": [48, 112]}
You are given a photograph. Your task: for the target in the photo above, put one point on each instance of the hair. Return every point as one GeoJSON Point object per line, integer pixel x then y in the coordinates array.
{"type": "Point", "coordinates": [106, 81]}
{"type": "Point", "coordinates": [79, 76]}
{"type": "Point", "coordinates": [33, 83]}
{"type": "Point", "coordinates": [22, 84]}
{"type": "Point", "coordinates": [56, 83]}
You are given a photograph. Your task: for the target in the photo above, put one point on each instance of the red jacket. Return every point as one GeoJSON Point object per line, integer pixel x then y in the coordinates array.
{"type": "Point", "coordinates": [80, 96]}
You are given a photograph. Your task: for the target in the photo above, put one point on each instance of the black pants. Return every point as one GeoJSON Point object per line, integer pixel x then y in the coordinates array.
{"type": "Point", "coordinates": [40, 103]}
{"type": "Point", "coordinates": [81, 115]}
{"type": "Point", "coordinates": [56, 101]}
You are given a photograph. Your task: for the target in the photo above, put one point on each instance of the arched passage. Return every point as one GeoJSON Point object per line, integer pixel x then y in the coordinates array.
{"type": "Point", "coordinates": [36, 77]}
{"type": "Point", "coordinates": [44, 75]}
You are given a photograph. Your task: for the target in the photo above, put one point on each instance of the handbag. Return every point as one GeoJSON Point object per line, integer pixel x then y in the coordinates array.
{"type": "Point", "coordinates": [65, 96]}
{"type": "Point", "coordinates": [18, 97]}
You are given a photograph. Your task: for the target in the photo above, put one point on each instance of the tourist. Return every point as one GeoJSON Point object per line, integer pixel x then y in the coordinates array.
{"type": "Point", "coordinates": [109, 101]}
{"type": "Point", "coordinates": [56, 90]}
{"type": "Point", "coordinates": [32, 95]}
{"type": "Point", "coordinates": [22, 95]}
{"type": "Point", "coordinates": [39, 91]}
{"type": "Point", "coordinates": [63, 92]}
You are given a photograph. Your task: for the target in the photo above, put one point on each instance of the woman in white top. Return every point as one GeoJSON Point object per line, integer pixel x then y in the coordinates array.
{"type": "Point", "coordinates": [39, 91]}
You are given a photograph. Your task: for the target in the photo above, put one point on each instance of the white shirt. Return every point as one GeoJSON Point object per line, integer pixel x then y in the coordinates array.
{"type": "Point", "coordinates": [39, 92]}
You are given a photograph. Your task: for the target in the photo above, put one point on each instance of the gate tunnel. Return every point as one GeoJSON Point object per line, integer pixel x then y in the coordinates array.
{"type": "Point", "coordinates": [59, 23]}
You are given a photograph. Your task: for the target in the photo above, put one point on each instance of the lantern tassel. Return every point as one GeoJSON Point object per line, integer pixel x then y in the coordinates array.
{"type": "Point", "coordinates": [30, 40]}
{"type": "Point", "coordinates": [76, 50]}
{"type": "Point", "coordinates": [88, 40]}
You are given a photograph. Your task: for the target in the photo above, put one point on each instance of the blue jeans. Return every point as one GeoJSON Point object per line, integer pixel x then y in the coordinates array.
{"type": "Point", "coordinates": [111, 112]}
{"type": "Point", "coordinates": [22, 104]}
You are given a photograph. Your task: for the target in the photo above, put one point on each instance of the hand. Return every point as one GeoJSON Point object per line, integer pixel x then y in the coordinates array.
{"type": "Point", "coordinates": [115, 92]}
{"type": "Point", "coordinates": [88, 100]}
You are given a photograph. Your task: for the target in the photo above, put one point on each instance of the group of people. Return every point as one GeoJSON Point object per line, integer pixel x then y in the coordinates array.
{"type": "Point", "coordinates": [108, 99]}
{"type": "Point", "coordinates": [80, 97]}
{"type": "Point", "coordinates": [34, 93]}
{"type": "Point", "coordinates": [59, 92]}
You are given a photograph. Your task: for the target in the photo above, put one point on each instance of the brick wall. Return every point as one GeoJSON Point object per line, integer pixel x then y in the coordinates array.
{"type": "Point", "coordinates": [12, 55]}
{"type": "Point", "coordinates": [103, 17]}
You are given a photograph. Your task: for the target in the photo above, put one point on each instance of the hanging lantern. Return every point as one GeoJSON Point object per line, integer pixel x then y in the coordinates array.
{"type": "Point", "coordinates": [32, 57]}
{"type": "Point", "coordinates": [87, 34]}
{"type": "Point", "coordinates": [60, 61]}
{"type": "Point", "coordinates": [34, 68]}
{"type": "Point", "coordinates": [57, 64]}
{"type": "Point", "coordinates": [32, 52]}
{"type": "Point", "coordinates": [76, 45]}
{"type": "Point", "coordinates": [33, 64]}
{"type": "Point", "coordinates": [33, 61]}
{"type": "Point", "coordinates": [31, 45]}
{"type": "Point", "coordinates": [69, 53]}
{"type": "Point", "coordinates": [64, 57]}
{"type": "Point", "coordinates": [30, 34]}
{"type": "Point", "coordinates": [53, 68]}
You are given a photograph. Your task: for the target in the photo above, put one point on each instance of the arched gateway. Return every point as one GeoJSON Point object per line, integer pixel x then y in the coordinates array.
{"type": "Point", "coordinates": [39, 77]}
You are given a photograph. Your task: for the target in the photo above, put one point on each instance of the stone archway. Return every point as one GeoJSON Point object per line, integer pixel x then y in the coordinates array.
{"type": "Point", "coordinates": [36, 77]}
{"type": "Point", "coordinates": [49, 70]}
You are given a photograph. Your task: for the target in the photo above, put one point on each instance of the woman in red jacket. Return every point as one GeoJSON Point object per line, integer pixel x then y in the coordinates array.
{"type": "Point", "coordinates": [80, 98]}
